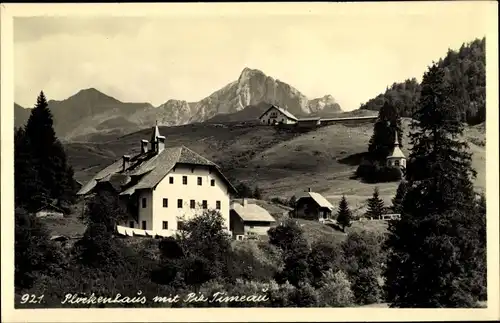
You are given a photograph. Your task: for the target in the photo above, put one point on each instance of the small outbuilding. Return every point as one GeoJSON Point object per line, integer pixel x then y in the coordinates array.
{"type": "Point", "coordinates": [49, 210]}
{"type": "Point", "coordinates": [249, 219]}
{"type": "Point", "coordinates": [312, 206]}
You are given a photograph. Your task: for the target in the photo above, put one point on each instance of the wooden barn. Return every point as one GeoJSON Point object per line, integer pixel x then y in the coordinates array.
{"type": "Point", "coordinates": [312, 206]}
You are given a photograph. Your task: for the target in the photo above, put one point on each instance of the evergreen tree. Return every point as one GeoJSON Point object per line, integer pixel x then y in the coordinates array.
{"type": "Point", "coordinates": [400, 194]}
{"type": "Point", "coordinates": [382, 141]}
{"type": "Point", "coordinates": [48, 155]}
{"type": "Point", "coordinates": [257, 193]}
{"type": "Point", "coordinates": [375, 205]}
{"type": "Point", "coordinates": [344, 214]}
{"type": "Point", "coordinates": [30, 192]}
{"type": "Point", "coordinates": [436, 247]}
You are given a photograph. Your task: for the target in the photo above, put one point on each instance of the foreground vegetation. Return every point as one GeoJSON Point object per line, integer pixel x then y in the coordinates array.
{"type": "Point", "coordinates": [433, 256]}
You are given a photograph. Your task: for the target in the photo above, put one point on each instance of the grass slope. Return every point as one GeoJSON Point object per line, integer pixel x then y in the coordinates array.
{"type": "Point", "coordinates": [282, 163]}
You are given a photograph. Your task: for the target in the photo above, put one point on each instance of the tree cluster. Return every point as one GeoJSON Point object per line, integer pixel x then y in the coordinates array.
{"type": "Point", "coordinates": [373, 168]}
{"type": "Point", "coordinates": [464, 70]}
{"type": "Point", "coordinates": [437, 248]}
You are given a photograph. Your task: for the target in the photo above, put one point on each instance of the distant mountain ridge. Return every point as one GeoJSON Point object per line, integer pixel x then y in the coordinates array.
{"type": "Point", "coordinates": [90, 111]}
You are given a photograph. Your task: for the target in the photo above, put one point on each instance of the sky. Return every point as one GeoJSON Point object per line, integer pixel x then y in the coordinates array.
{"type": "Point", "coordinates": [351, 54]}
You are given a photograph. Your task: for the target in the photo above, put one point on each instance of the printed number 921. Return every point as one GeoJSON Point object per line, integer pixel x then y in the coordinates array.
{"type": "Point", "coordinates": [31, 299]}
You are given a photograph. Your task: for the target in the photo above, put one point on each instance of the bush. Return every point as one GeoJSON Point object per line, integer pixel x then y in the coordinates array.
{"type": "Point", "coordinates": [279, 295]}
{"type": "Point", "coordinates": [251, 260]}
{"type": "Point", "coordinates": [35, 254]}
{"type": "Point", "coordinates": [289, 237]}
{"type": "Point", "coordinates": [304, 296]}
{"type": "Point", "coordinates": [324, 256]}
{"type": "Point", "coordinates": [335, 290]}
{"type": "Point", "coordinates": [364, 258]}
{"type": "Point", "coordinates": [373, 172]}
{"type": "Point", "coordinates": [366, 287]}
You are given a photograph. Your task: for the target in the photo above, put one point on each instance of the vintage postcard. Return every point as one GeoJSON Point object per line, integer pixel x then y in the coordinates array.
{"type": "Point", "coordinates": [249, 162]}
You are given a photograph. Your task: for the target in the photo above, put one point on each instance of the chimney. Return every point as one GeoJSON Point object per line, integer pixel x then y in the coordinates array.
{"type": "Point", "coordinates": [161, 144]}
{"type": "Point", "coordinates": [126, 162]}
{"type": "Point", "coordinates": [144, 146]}
{"type": "Point", "coordinates": [243, 201]}
{"type": "Point", "coordinates": [309, 189]}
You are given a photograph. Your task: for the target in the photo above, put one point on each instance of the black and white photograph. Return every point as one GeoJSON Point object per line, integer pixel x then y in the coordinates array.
{"type": "Point", "coordinates": [250, 158]}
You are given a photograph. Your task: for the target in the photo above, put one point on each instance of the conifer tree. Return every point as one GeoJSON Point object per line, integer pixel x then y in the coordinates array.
{"type": "Point", "coordinates": [257, 193]}
{"type": "Point", "coordinates": [48, 155]}
{"type": "Point", "coordinates": [434, 250]}
{"type": "Point", "coordinates": [344, 214]}
{"type": "Point", "coordinates": [29, 190]}
{"type": "Point", "coordinates": [375, 205]}
{"type": "Point", "coordinates": [382, 140]}
{"type": "Point", "coordinates": [398, 198]}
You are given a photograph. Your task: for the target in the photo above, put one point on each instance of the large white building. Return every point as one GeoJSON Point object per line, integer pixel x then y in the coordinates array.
{"type": "Point", "coordinates": [163, 187]}
{"type": "Point", "coordinates": [277, 115]}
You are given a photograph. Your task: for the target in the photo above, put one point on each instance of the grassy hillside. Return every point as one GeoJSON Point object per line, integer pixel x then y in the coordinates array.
{"type": "Point", "coordinates": [282, 163]}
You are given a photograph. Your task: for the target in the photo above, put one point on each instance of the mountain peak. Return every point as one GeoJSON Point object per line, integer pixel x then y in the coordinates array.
{"type": "Point", "coordinates": [92, 94]}
{"type": "Point", "coordinates": [248, 72]}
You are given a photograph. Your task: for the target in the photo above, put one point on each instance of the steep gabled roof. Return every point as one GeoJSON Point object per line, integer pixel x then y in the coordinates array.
{"type": "Point", "coordinates": [285, 112]}
{"type": "Point", "coordinates": [396, 153]}
{"type": "Point", "coordinates": [48, 206]}
{"type": "Point", "coordinates": [146, 170]}
{"type": "Point", "coordinates": [318, 198]}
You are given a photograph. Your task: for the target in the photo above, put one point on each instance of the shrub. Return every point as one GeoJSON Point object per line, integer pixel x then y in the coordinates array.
{"type": "Point", "coordinates": [366, 287]}
{"type": "Point", "coordinates": [324, 256]}
{"type": "Point", "coordinates": [335, 290]}
{"type": "Point", "coordinates": [304, 296]}
{"type": "Point", "coordinates": [363, 258]}
{"type": "Point", "coordinates": [279, 295]}
{"type": "Point", "coordinates": [252, 260]}
{"type": "Point", "coordinates": [374, 172]}
{"type": "Point", "coordinates": [289, 237]}
{"type": "Point", "coordinates": [35, 254]}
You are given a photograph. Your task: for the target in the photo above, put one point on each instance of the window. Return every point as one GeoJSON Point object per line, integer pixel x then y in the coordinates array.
{"type": "Point", "coordinates": [179, 203]}
{"type": "Point", "coordinates": [192, 204]}
{"type": "Point", "coordinates": [143, 202]}
{"type": "Point", "coordinates": [165, 225]}
{"type": "Point", "coordinates": [184, 180]}
{"type": "Point", "coordinates": [180, 225]}
{"type": "Point", "coordinates": [212, 182]}
{"type": "Point", "coordinates": [204, 204]}
{"type": "Point", "coordinates": [199, 181]}
{"type": "Point", "coordinates": [143, 225]}
{"type": "Point", "coordinates": [217, 205]}
{"type": "Point", "coordinates": [171, 180]}
{"type": "Point", "coordinates": [131, 224]}
{"type": "Point", "coordinates": [396, 162]}
{"type": "Point", "coordinates": [165, 202]}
